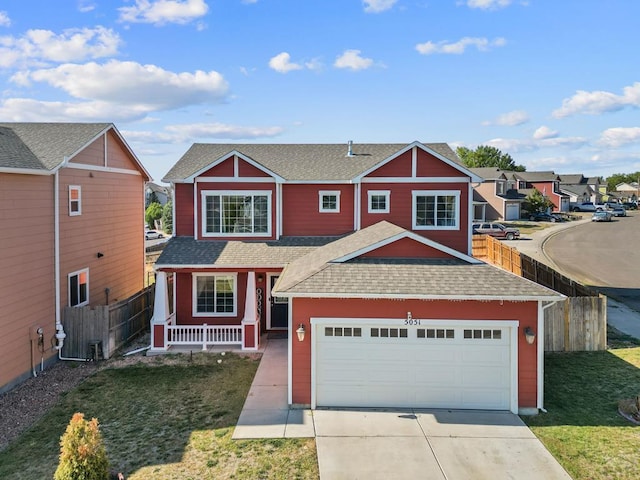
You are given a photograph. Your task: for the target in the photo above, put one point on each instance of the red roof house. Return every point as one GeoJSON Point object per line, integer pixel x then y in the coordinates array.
{"type": "Point", "coordinates": [362, 255]}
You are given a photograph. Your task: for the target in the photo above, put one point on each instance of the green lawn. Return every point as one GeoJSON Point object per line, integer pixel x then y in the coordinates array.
{"type": "Point", "coordinates": [173, 418]}
{"type": "Point", "coordinates": [582, 428]}
{"type": "Point", "coordinates": [169, 419]}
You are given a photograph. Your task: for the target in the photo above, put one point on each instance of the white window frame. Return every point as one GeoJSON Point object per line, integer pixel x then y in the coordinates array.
{"type": "Point", "coordinates": [194, 294]}
{"type": "Point", "coordinates": [379, 193]}
{"type": "Point", "coordinates": [328, 193]}
{"type": "Point", "coordinates": [75, 188]}
{"type": "Point", "coordinates": [221, 193]}
{"type": "Point", "coordinates": [77, 274]}
{"type": "Point", "coordinates": [435, 193]}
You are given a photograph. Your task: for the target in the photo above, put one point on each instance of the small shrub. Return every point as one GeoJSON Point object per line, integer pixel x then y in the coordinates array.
{"type": "Point", "coordinates": [82, 452]}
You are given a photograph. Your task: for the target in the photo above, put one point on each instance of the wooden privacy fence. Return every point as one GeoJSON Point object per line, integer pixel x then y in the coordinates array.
{"type": "Point", "coordinates": [113, 325]}
{"type": "Point", "coordinates": [577, 324]}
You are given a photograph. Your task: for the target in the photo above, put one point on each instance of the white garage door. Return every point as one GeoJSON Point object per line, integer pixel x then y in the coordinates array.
{"type": "Point", "coordinates": [359, 365]}
{"type": "Point", "coordinates": [512, 211]}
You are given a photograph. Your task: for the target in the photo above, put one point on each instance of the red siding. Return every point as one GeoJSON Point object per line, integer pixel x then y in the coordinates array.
{"type": "Point", "coordinates": [546, 189]}
{"type": "Point", "coordinates": [525, 312]}
{"type": "Point", "coordinates": [184, 210]}
{"type": "Point", "coordinates": [406, 248]}
{"type": "Point", "coordinates": [230, 188]}
{"type": "Point", "coordinates": [223, 169]}
{"type": "Point", "coordinates": [245, 169]}
{"type": "Point", "coordinates": [184, 301]}
{"type": "Point", "coordinates": [431, 166]}
{"type": "Point", "coordinates": [301, 211]}
{"type": "Point", "coordinates": [398, 167]}
{"type": "Point", "coordinates": [401, 208]}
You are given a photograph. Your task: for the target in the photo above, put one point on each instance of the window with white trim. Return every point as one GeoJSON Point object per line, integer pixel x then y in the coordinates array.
{"type": "Point", "coordinates": [78, 288]}
{"type": "Point", "coordinates": [436, 210]}
{"type": "Point", "coordinates": [379, 201]}
{"type": "Point", "coordinates": [240, 213]}
{"type": "Point", "coordinates": [214, 294]}
{"type": "Point", "coordinates": [75, 200]}
{"type": "Point", "coordinates": [329, 201]}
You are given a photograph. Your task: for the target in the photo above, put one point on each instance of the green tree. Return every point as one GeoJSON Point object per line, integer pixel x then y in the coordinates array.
{"type": "Point", "coordinates": [167, 217]}
{"type": "Point", "coordinates": [618, 178]}
{"type": "Point", "coordinates": [536, 202]}
{"type": "Point", "coordinates": [82, 452]}
{"type": "Point", "coordinates": [152, 213]}
{"type": "Point", "coordinates": [488, 156]}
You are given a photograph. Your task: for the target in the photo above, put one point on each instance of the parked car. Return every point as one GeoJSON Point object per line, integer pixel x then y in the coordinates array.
{"type": "Point", "coordinates": [586, 207]}
{"type": "Point", "coordinates": [152, 235]}
{"type": "Point", "coordinates": [601, 216]}
{"type": "Point", "coordinates": [545, 217]}
{"type": "Point", "coordinates": [618, 211]}
{"type": "Point", "coordinates": [496, 230]}
{"type": "Point", "coordinates": [630, 205]}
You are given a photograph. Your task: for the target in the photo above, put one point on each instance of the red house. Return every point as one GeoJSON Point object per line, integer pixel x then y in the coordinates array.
{"type": "Point", "coordinates": [361, 253]}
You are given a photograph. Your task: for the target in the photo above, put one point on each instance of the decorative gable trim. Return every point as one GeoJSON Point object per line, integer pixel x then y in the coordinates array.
{"type": "Point", "coordinates": [235, 155]}
{"type": "Point", "coordinates": [412, 236]}
{"type": "Point", "coordinates": [472, 177]}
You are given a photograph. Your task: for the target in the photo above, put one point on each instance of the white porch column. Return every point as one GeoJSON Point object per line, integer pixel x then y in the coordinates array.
{"type": "Point", "coordinates": [160, 313]}
{"type": "Point", "coordinates": [250, 322]}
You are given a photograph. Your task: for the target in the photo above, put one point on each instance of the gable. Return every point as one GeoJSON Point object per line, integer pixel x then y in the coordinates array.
{"type": "Point", "coordinates": [429, 165]}
{"type": "Point", "coordinates": [222, 169]}
{"type": "Point", "coordinates": [406, 248]}
{"type": "Point", "coordinates": [398, 167]}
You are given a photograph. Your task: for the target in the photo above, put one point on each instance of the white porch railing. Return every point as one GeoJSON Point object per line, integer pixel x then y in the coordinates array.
{"type": "Point", "coordinates": [205, 335]}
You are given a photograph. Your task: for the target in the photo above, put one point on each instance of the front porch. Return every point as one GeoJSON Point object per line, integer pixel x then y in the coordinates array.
{"type": "Point", "coordinates": [167, 335]}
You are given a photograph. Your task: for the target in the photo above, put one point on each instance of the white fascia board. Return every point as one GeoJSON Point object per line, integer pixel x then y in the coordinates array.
{"type": "Point", "coordinates": [319, 182]}
{"type": "Point", "coordinates": [412, 236]}
{"type": "Point", "coordinates": [445, 322]}
{"type": "Point", "coordinates": [27, 171]}
{"type": "Point", "coordinates": [131, 152]}
{"type": "Point", "coordinates": [390, 296]}
{"type": "Point", "coordinates": [205, 266]}
{"type": "Point", "coordinates": [416, 180]}
{"type": "Point", "coordinates": [94, 168]}
{"type": "Point", "coordinates": [233, 153]}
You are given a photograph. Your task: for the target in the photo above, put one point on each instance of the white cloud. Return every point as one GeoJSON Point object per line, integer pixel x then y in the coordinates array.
{"type": "Point", "coordinates": [161, 12]}
{"type": "Point", "coordinates": [85, 6]}
{"type": "Point", "coordinates": [377, 6]}
{"type": "Point", "coordinates": [511, 119]}
{"type": "Point", "coordinates": [38, 46]}
{"type": "Point", "coordinates": [544, 132]}
{"type": "Point", "coordinates": [282, 63]}
{"type": "Point", "coordinates": [189, 133]}
{"type": "Point", "coordinates": [597, 102]}
{"type": "Point", "coordinates": [619, 136]}
{"type": "Point", "coordinates": [5, 21]}
{"type": "Point", "coordinates": [352, 60]}
{"type": "Point", "coordinates": [488, 4]}
{"type": "Point", "coordinates": [145, 87]}
{"type": "Point", "coordinates": [30, 110]}
{"type": "Point", "coordinates": [518, 145]}
{"type": "Point", "coordinates": [459, 47]}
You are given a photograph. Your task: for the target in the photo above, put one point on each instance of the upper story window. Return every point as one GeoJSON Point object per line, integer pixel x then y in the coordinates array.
{"type": "Point", "coordinates": [75, 200]}
{"type": "Point", "coordinates": [214, 295]}
{"type": "Point", "coordinates": [500, 187]}
{"type": "Point", "coordinates": [379, 201]}
{"type": "Point", "coordinates": [329, 201]}
{"type": "Point", "coordinates": [78, 288]}
{"type": "Point", "coordinates": [236, 213]}
{"type": "Point", "coordinates": [436, 210]}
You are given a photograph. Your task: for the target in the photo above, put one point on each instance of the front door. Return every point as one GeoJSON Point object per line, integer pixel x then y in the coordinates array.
{"type": "Point", "coordinates": [279, 309]}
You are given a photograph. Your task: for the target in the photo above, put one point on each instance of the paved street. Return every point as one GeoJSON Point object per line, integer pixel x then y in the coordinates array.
{"type": "Point", "coordinates": [605, 255]}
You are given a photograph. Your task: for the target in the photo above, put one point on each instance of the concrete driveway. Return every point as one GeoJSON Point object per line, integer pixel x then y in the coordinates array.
{"type": "Point", "coordinates": [429, 444]}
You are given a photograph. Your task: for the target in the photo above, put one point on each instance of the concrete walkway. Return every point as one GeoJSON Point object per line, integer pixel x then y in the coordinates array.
{"type": "Point", "coordinates": [266, 412]}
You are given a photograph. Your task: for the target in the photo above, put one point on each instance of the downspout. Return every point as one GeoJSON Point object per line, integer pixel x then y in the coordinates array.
{"type": "Point", "coordinates": [60, 335]}
{"type": "Point", "coordinates": [541, 331]}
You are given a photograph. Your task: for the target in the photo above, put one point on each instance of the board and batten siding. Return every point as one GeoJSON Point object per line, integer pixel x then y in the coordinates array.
{"type": "Point", "coordinates": [27, 292]}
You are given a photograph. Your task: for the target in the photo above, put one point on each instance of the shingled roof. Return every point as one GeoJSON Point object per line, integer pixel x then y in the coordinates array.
{"type": "Point", "coordinates": [338, 270]}
{"type": "Point", "coordinates": [299, 162]}
{"type": "Point", "coordinates": [44, 146]}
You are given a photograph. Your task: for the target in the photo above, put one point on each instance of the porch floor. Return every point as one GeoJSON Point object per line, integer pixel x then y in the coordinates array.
{"type": "Point", "coordinates": [266, 412]}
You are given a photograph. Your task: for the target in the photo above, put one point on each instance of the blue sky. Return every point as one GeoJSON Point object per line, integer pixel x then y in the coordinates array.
{"type": "Point", "coordinates": [556, 84]}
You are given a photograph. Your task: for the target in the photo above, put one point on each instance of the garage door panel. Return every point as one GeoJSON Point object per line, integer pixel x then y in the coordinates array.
{"type": "Point", "coordinates": [468, 369]}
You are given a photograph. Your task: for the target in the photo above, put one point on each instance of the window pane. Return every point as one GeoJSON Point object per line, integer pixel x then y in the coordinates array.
{"type": "Point", "coordinates": [329, 202]}
{"type": "Point", "coordinates": [224, 295]}
{"type": "Point", "coordinates": [378, 202]}
{"type": "Point", "coordinates": [237, 214]}
{"type": "Point", "coordinates": [205, 294]}
{"type": "Point", "coordinates": [73, 290]}
{"type": "Point", "coordinates": [425, 210]}
{"type": "Point", "coordinates": [446, 211]}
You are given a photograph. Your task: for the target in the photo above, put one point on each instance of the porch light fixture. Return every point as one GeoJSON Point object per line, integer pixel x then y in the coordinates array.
{"type": "Point", "coordinates": [300, 332]}
{"type": "Point", "coordinates": [99, 254]}
{"type": "Point", "coordinates": [260, 277]}
{"type": "Point", "coordinates": [529, 335]}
